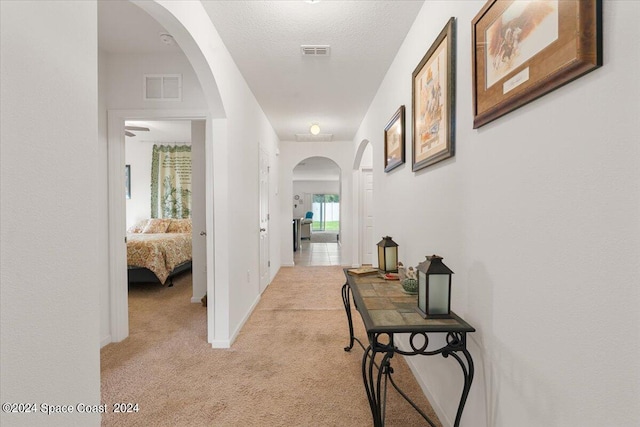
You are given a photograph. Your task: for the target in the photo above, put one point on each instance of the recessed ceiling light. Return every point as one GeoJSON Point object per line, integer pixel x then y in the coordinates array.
{"type": "Point", "coordinates": [314, 129]}
{"type": "Point", "coordinates": [312, 1]}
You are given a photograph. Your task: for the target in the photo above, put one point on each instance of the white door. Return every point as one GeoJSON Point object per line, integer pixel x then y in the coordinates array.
{"type": "Point", "coordinates": [264, 221]}
{"type": "Point", "coordinates": [198, 208]}
{"type": "Point", "coordinates": [367, 216]}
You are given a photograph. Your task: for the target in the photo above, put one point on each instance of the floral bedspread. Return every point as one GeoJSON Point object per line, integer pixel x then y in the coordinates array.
{"type": "Point", "coordinates": [160, 253]}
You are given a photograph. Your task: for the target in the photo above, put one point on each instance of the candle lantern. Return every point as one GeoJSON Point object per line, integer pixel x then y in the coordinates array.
{"type": "Point", "coordinates": [388, 255]}
{"type": "Point", "coordinates": [434, 288]}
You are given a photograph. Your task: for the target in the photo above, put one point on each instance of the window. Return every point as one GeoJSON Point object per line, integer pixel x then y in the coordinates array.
{"type": "Point", "coordinates": [326, 212]}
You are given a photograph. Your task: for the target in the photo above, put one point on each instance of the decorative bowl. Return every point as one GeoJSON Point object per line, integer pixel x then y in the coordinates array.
{"type": "Point", "coordinates": [410, 286]}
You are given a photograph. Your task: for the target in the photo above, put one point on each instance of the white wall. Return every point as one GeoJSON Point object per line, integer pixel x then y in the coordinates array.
{"type": "Point", "coordinates": [538, 215]}
{"type": "Point", "coordinates": [126, 73]}
{"type": "Point", "coordinates": [102, 196]}
{"type": "Point", "coordinates": [121, 88]}
{"type": "Point", "coordinates": [236, 161]}
{"type": "Point", "coordinates": [293, 153]}
{"type": "Point", "coordinates": [138, 154]}
{"type": "Point", "coordinates": [48, 246]}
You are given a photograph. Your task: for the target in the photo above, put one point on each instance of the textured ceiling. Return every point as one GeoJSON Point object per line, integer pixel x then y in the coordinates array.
{"type": "Point", "coordinates": [264, 39]}
{"type": "Point", "coordinates": [125, 28]}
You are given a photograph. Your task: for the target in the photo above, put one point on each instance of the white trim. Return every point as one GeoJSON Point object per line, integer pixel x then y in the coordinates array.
{"type": "Point", "coordinates": [196, 300]}
{"type": "Point", "coordinates": [106, 340]}
{"type": "Point", "coordinates": [221, 344]}
{"type": "Point", "coordinates": [118, 290]}
{"type": "Point", "coordinates": [118, 312]}
{"type": "Point", "coordinates": [228, 343]}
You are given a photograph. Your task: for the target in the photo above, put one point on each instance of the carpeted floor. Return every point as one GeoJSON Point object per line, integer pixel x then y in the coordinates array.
{"type": "Point", "coordinates": [287, 367]}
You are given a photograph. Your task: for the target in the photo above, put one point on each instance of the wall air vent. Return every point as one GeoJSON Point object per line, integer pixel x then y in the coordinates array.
{"type": "Point", "coordinates": [162, 87]}
{"type": "Point", "coordinates": [315, 50]}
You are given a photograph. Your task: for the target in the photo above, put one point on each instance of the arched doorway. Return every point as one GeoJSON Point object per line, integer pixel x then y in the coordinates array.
{"type": "Point", "coordinates": [363, 203]}
{"type": "Point", "coordinates": [118, 303]}
{"type": "Point", "coordinates": [316, 183]}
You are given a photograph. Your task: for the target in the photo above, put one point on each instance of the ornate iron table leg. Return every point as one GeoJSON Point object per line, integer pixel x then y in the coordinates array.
{"type": "Point", "coordinates": [347, 306]}
{"type": "Point", "coordinates": [467, 371]}
{"type": "Point", "coordinates": [373, 384]}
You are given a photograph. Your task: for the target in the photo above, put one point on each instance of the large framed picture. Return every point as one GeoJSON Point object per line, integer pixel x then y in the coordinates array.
{"type": "Point", "coordinates": [394, 141]}
{"type": "Point", "coordinates": [433, 98]}
{"type": "Point", "coordinates": [523, 50]}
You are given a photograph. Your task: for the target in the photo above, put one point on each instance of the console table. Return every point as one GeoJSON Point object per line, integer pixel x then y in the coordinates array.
{"type": "Point", "coordinates": [386, 310]}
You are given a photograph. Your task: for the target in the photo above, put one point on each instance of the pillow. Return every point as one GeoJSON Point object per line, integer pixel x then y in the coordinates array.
{"type": "Point", "coordinates": [138, 227]}
{"type": "Point", "coordinates": [180, 226]}
{"type": "Point", "coordinates": [156, 225]}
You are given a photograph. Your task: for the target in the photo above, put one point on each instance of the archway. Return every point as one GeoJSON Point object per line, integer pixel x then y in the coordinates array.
{"type": "Point", "coordinates": [363, 203]}
{"type": "Point", "coordinates": [316, 206]}
{"type": "Point", "coordinates": [118, 309]}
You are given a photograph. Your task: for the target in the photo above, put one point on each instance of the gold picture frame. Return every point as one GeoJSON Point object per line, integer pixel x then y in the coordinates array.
{"type": "Point", "coordinates": [433, 101]}
{"type": "Point", "coordinates": [394, 152]}
{"type": "Point", "coordinates": [524, 50]}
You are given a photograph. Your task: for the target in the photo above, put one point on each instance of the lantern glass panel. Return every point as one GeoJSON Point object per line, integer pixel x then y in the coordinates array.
{"type": "Point", "coordinates": [422, 290]}
{"type": "Point", "coordinates": [381, 258]}
{"type": "Point", "coordinates": [438, 294]}
{"type": "Point", "coordinates": [391, 258]}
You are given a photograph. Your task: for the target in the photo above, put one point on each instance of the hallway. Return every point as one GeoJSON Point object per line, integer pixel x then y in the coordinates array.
{"type": "Point", "coordinates": [322, 250]}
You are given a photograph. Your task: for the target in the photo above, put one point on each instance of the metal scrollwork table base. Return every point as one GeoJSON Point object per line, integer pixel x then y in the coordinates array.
{"type": "Point", "coordinates": [386, 310]}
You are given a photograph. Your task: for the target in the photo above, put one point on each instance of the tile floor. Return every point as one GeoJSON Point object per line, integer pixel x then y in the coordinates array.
{"type": "Point", "coordinates": [317, 254]}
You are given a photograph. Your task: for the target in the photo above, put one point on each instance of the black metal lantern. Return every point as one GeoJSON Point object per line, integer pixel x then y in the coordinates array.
{"type": "Point", "coordinates": [434, 288]}
{"type": "Point", "coordinates": [388, 255]}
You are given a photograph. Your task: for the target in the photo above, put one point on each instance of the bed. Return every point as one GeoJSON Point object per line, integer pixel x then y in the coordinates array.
{"type": "Point", "coordinates": [158, 250]}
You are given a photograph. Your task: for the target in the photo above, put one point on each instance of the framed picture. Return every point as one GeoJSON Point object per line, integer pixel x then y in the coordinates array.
{"type": "Point", "coordinates": [127, 181]}
{"type": "Point", "coordinates": [433, 98]}
{"type": "Point", "coordinates": [523, 50]}
{"type": "Point", "coordinates": [394, 141]}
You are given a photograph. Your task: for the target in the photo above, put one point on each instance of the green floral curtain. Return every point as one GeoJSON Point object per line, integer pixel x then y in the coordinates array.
{"type": "Point", "coordinates": [171, 181]}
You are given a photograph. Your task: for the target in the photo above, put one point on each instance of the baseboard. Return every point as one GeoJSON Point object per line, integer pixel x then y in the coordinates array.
{"type": "Point", "coordinates": [442, 416]}
{"type": "Point", "coordinates": [244, 320]}
{"type": "Point", "coordinates": [196, 300]}
{"type": "Point", "coordinates": [221, 344]}
{"type": "Point", "coordinates": [106, 340]}
{"type": "Point", "coordinates": [288, 264]}
{"type": "Point", "coordinates": [229, 342]}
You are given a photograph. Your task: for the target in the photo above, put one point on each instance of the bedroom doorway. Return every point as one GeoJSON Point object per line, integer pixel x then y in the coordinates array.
{"type": "Point", "coordinates": [196, 124]}
{"type": "Point", "coordinates": [173, 149]}
{"type": "Point", "coordinates": [168, 142]}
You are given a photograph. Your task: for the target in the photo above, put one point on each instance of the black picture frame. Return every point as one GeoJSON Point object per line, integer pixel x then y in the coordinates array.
{"type": "Point", "coordinates": [433, 99]}
{"type": "Point", "coordinates": [394, 141]}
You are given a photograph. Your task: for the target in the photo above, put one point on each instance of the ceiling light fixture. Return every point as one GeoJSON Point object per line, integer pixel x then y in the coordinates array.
{"type": "Point", "coordinates": [314, 129]}
{"type": "Point", "coordinates": [312, 1]}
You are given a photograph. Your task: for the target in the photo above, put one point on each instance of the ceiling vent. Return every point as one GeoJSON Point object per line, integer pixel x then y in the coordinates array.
{"type": "Point", "coordinates": [315, 50]}
{"type": "Point", "coordinates": [307, 137]}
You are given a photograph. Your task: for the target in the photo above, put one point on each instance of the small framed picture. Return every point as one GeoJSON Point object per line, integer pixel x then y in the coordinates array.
{"type": "Point", "coordinates": [394, 141]}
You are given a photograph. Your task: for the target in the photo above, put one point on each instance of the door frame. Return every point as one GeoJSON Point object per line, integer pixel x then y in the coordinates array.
{"type": "Point", "coordinates": [118, 286]}
{"type": "Point", "coordinates": [264, 236]}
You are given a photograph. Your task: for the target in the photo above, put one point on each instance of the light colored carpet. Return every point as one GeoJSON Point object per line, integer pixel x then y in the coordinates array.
{"type": "Point", "coordinates": [287, 367]}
